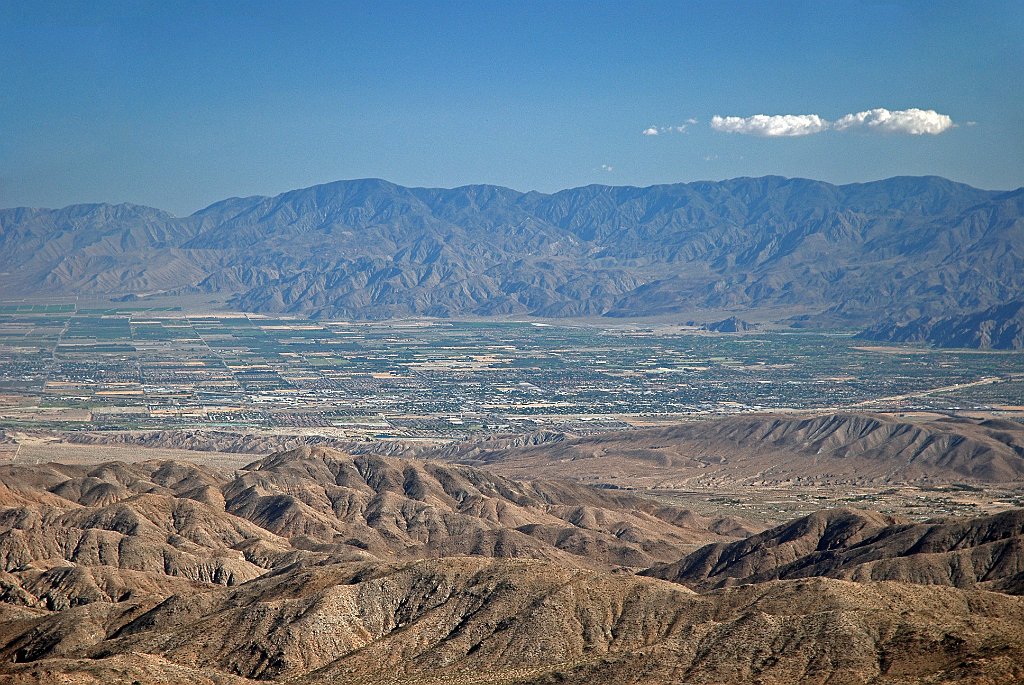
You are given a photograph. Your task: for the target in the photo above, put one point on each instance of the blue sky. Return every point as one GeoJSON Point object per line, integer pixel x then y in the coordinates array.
{"type": "Point", "coordinates": [177, 105]}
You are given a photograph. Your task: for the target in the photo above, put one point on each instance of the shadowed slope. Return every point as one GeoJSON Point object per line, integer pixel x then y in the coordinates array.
{"type": "Point", "coordinates": [1000, 327]}
{"type": "Point", "coordinates": [986, 552]}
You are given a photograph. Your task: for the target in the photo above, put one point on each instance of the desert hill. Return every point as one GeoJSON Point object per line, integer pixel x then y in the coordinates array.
{"type": "Point", "coordinates": [979, 552]}
{"type": "Point", "coordinates": [733, 324]}
{"type": "Point", "coordinates": [461, 620]}
{"type": "Point", "coordinates": [70, 533]}
{"type": "Point", "coordinates": [844, 447]}
{"type": "Point", "coordinates": [313, 565]}
{"type": "Point", "coordinates": [371, 249]}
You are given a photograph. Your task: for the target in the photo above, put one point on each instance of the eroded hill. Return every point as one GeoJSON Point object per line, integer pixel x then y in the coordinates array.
{"type": "Point", "coordinates": [62, 525]}
{"type": "Point", "coordinates": [766, 449]}
{"type": "Point", "coordinates": [502, 621]}
{"type": "Point", "coordinates": [314, 566]}
{"type": "Point", "coordinates": [985, 552]}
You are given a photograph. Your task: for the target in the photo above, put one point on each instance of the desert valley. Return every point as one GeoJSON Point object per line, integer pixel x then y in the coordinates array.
{"type": "Point", "coordinates": [521, 342]}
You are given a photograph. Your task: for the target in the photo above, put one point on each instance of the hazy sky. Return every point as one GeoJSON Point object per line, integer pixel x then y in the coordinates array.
{"type": "Point", "coordinates": [177, 105]}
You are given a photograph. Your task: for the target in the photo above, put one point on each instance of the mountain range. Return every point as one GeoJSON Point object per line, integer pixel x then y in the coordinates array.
{"type": "Point", "coordinates": [1000, 327]}
{"type": "Point", "coordinates": [313, 565]}
{"type": "Point", "coordinates": [369, 249]}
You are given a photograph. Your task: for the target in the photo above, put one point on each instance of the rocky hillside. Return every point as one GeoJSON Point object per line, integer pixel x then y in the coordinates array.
{"type": "Point", "coordinates": [772, 448]}
{"type": "Point", "coordinates": [212, 526]}
{"type": "Point", "coordinates": [372, 249]}
{"type": "Point", "coordinates": [461, 621]}
{"type": "Point", "coordinates": [731, 325]}
{"type": "Point", "coordinates": [997, 328]}
{"type": "Point", "coordinates": [983, 552]}
{"type": "Point", "coordinates": [314, 566]}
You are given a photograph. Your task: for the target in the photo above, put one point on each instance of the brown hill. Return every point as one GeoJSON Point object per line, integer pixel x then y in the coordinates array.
{"type": "Point", "coordinates": [411, 508]}
{"type": "Point", "coordinates": [985, 552]}
{"type": "Point", "coordinates": [842, 447]}
{"type": "Point", "coordinates": [69, 534]}
{"type": "Point", "coordinates": [462, 620]}
{"type": "Point", "coordinates": [314, 566]}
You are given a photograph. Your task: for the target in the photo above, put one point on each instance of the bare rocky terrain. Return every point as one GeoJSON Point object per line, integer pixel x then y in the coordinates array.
{"type": "Point", "coordinates": [1000, 327]}
{"type": "Point", "coordinates": [483, 621]}
{"type": "Point", "coordinates": [772, 449]}
{"type": "Point", "coordinates": [315, 565]}
{"type": "Point", "coordinates": [985, 552]}
{"type": "Point", "coordinates": [326, 504]}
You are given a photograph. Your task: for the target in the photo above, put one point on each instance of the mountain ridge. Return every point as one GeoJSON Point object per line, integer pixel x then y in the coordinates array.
{"type": "Point", "coordinates": [757, 449]}
{"type": "Point", "coordinates": [493, 186]}
{"type": "Point", "coordinates": [865, 546]}
{"type": "Point", "coordinates": [1000, 327]}
{"type": "Point", "coordinates": [369, 248]}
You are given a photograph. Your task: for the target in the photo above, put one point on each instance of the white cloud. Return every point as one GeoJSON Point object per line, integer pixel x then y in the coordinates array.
{"type": "Point", "coordinates": [607, 167]}
{"type": "Point", "coordinates": [910, 121]}
{"type": "Point", "coordinates": [771, 125]}
{"type": "Point", "coordinates": [658, 130]}
{"type": "Point", "coordinates": [913, 121]}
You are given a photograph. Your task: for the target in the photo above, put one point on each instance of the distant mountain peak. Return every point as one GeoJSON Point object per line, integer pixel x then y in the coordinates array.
{"type": "Point", "coordinates": [369, 248]}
